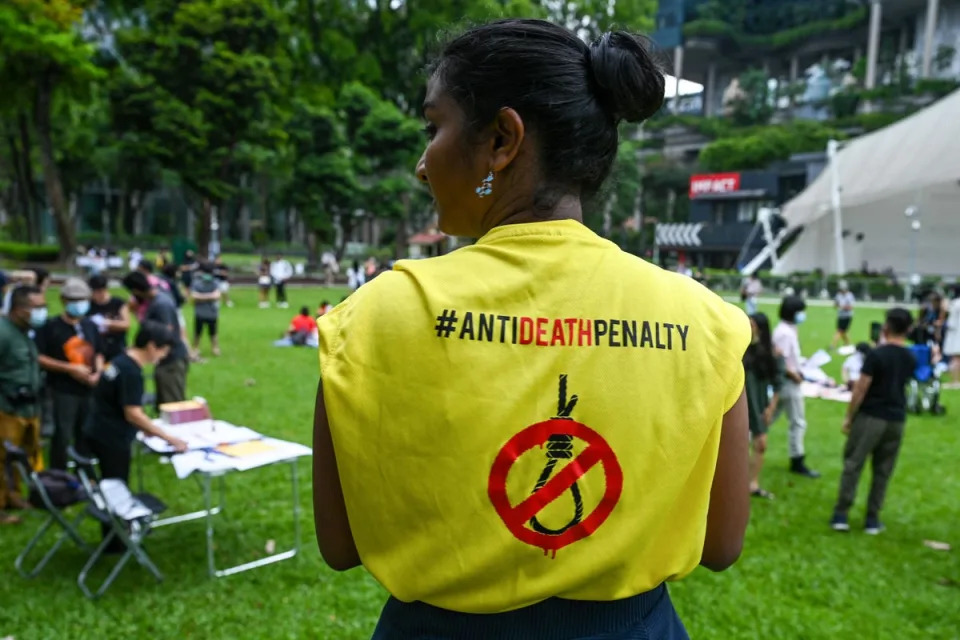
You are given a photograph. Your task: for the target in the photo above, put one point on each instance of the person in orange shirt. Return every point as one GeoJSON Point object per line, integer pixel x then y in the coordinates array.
{"type": "Point", "coordinates": [529, 436]}
{"type": "Point", "coordinates": [302, 328]}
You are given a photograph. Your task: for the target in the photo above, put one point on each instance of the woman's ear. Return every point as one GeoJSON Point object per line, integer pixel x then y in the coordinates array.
{"type": "Point", "coordinates": [506, 138]}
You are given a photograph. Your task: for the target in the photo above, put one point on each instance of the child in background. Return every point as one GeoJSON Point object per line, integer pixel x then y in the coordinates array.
{"type": "Point", "coordinates": [875, 420]}
{"type": "Point", "coordinates": [853, 365]}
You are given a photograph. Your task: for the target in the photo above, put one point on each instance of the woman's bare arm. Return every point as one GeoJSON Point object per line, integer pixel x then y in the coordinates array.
{"type": "Point", "coordinates": [730, 495]}
{"type": "Point", "coordinates": [329, 509]}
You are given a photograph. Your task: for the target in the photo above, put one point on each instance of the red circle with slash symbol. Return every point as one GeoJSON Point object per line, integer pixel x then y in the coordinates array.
{"type": "Point", "coordinates": [517, 516]}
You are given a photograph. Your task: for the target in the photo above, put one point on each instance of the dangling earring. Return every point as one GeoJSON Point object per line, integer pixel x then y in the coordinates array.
{"type": "Point", "coordinates": [486, 187]}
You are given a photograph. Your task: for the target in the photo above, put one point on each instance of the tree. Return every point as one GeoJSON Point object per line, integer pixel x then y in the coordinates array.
{"type": "Point", "coordinates": [753, 105]}
{"type": "Point", "coordinates": [386, 144]}
{"type": "Point", "coordinates": [43, 59]}
{"type": "Point", "coordinates": [203, 79]}
{"type": "Point", "coordinates": [323, 184]}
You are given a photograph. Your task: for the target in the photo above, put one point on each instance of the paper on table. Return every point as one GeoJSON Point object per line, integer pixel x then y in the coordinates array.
{"type": "Point", "coordinates": [817, 360]}
{"type": "Point", "coordinates": [212, 462]}
{"type": "Point", "coordinates": [199, 435]}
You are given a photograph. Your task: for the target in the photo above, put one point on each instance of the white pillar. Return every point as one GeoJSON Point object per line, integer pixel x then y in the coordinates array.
{"type": "Point", "coordinates": [933, 8]}
{"type": "Point", "coordinates": [794, 69]}
{"type": "Point", "coordinates": [873, 43]}
{"type": "Point", "coordinates": [678, 74]}
{"type": "Point", "coordinates": [711, 89]}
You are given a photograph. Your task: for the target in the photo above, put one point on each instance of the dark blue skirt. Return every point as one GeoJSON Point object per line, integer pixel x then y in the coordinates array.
{"type": "Point", "coordinates": [647, 616]}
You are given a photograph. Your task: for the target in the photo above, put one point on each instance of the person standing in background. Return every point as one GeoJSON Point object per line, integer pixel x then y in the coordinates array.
{"type": "Point", "coordinates": [280, 271]}
{"type": "Point", "coordinates": [170, 374]}
{"type": "Point", "coordinates": [205, 296]}
{"type": "Point", "coordinates": [264, 282]}
{"type": "Point", "coordinates": [133, 259]}
{"type": "Point", "coordinates": [111, 316]}
{"type": "Point", "coordinates": [162, 259]}
{"type": "Point", "coordinates": [750, 292]}
{"type": "Point", "coordinates": [71, 352]}
{"type": "Point", "coordinates": [222, 273]}
{"type": "Point", "coordinates": [355, 276]}
{"type": "Point", "coordinates": [189, 268]}
{"type": "Point", "coordinates": [764, 373]}
{"type": "Point", "coordinates": [844, 302]}
{"type": "Point", "coordinates": [951, 341]}
{"type": "Point", "coordinates": [786, 340]}
{"type": "Point", "coordinates": [20, 389]}
{"type": "Point", "coordinates": [874, 423]}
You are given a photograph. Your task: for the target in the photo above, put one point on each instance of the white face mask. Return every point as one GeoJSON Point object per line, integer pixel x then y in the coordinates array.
{"type": "Point", "coordinates": [800, 318]}
{"type": "Point", "coordinates": [38, 317]}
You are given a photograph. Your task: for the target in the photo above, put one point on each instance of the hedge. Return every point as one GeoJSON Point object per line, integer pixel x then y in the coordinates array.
{"type": "Point", "coordinates": [24, 252]}
{"type": "Point", "coordinates": [778, 40]}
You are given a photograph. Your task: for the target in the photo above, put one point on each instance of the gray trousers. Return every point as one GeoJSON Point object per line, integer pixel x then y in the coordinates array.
{"type": "Point", "coordinates": [869, 436]}
{"type": "Point", "coordinates": [70, 413]}
{"type": "Point", "coordinates": [792, 403]}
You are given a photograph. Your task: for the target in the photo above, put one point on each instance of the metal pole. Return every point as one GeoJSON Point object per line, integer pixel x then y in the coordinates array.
{"type": "Point", "coordinates": [833, 148]}
{"type": "Point", "coordinates": [678, 74]}
{"type": "Point", "coordinates": [931, 28]}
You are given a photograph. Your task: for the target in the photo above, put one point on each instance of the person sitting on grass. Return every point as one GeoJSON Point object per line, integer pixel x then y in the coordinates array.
{"type": "Point", "coordinates": [303, 328]}
{"type": "Point", "coordinates": [764, 371]}
{"type": "Point", "coordinates": [854, 364]}
{"type": "Point", "coordinates": [875, 420]}
{"type": "Point", "coordinates": [324, 308]}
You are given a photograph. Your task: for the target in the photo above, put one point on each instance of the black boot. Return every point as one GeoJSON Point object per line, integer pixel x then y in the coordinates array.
{"type": "Point", "coordinates": [798, 466]}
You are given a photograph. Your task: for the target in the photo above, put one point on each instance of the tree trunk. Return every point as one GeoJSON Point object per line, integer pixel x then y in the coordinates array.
{"type": "Point", "coordinates": [51, 176]}
{"type": "Point", "coordinates": [105, 217]}
{"type": "Point", "coordinates": [244, 209]}
{"type": "Point", "coordinates": [137, 206]}
{"type": "Point", "coordinates": [22, 193]}
{"type": "Point", "coordinates": [313, 255]}
{"type": "Point", "coordinates": [203, 232]}
{"type": "Point", "coordinates": [345, 223]}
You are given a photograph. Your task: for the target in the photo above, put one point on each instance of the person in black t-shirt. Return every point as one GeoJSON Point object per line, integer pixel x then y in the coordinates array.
{"type": "Point", "coordinates": [875, 421]}
{"type": "Point", "coordinates": [111, 316]}
{"type": "Point", "coordinates": [117, 412]}
{"type": "Point", "coordinates": [70, 351]}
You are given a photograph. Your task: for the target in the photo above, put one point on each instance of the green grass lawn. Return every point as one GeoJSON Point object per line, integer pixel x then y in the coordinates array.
{"type": "Point", "coordinates": [796, 579]}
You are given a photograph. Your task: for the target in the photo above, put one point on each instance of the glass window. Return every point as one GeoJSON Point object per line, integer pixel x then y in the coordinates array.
{"type": "Point", "coordinates": [747, 211]}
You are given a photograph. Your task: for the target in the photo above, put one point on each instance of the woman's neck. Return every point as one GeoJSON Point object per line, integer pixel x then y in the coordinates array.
{"type": "Point", "coordinates": [567, 208]}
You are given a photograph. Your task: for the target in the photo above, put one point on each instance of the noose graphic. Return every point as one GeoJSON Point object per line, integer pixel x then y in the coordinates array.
{"type": "Point", "coordinates": [560, 447]}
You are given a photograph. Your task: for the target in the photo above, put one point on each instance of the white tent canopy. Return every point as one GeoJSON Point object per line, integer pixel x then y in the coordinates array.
{"type": "Point", "coordinates": [912, 163]}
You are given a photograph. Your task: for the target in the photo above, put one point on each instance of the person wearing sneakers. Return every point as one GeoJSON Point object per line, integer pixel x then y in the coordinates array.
{"type": "Point", "coordinates": [793, 312]}
{"type": "Point", "coordinates": [875, 420]}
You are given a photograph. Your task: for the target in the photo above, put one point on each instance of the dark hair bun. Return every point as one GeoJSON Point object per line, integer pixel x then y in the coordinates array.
{"type": "Point", "coordinates": [629, 82]}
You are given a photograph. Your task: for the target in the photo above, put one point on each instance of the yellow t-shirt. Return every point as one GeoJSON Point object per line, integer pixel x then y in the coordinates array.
{"type": "Point", "coordinates": [535, 415]}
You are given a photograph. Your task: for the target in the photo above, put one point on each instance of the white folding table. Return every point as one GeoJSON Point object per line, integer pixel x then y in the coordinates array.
{"type": "Point", "coordinates": [206, 464]}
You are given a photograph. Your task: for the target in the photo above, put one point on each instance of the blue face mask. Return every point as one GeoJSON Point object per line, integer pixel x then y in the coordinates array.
{"type": "Point", "coordinates": [38, 317]}
{"type": "Point", "coordinates": [77, 308]}
{"type": "Point", "coordinates": [800, 318]}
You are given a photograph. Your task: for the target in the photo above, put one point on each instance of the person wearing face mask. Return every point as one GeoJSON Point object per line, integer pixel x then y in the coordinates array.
{"type": "Point", "coordinates": [20, 386]}
{"type": "Point", "coordinates": [71, 352]}
{"type": "Point", "coordinates": [786, 340]}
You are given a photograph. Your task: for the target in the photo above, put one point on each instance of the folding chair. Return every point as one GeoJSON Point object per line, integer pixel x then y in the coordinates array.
{"type": "Point", "coordinates": [128, 517]}
{"type": "Point", "coordinates": [55, 516]}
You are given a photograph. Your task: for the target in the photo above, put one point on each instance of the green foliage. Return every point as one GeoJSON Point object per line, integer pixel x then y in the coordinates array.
{"type": "Point", "coordinates": [23, 252]}
{"type": "Point", "coordinates": [755, 105]}
{"type": "Point", "coordinates": [724, 24]}
{"type": "Point", "coordinates": [937, 87]}
{"type": "Point", "coordinates": [766, 145]}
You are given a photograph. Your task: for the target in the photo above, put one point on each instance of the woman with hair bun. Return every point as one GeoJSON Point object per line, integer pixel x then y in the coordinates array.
{"type": "Point", "coordinates": [527, 437]}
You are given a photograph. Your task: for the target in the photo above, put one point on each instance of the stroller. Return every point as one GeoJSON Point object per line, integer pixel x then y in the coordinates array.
{"type": "Point", "coordinates": [923, 391]}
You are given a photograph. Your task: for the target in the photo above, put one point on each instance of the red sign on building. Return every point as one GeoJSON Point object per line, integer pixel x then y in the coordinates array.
{"type": "Point", "coordinates": [713, 183]}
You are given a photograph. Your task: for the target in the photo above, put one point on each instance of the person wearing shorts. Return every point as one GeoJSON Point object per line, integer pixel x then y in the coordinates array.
{"type": "Point", "coordinates": [205, 295]}
{"type": "Point", "coordinates": [264, 282]}
{"type": "Point", "coordinates": [844, 303]}
{"type": "Point", "coordinates": [222, 273]}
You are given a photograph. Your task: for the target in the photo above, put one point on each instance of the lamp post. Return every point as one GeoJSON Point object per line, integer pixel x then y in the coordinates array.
{"type": "Point", "coordinates": [913, 216]}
